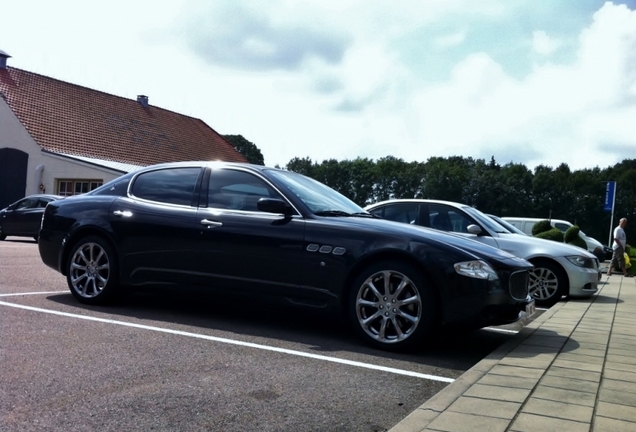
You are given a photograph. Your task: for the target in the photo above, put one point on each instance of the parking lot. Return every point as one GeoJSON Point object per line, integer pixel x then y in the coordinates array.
{"type": "Point", "coordinates": [163, 359]}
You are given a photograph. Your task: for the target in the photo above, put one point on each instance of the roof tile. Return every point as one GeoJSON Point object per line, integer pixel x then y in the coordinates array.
{"type": "Point", "coordinates": [71, 119]}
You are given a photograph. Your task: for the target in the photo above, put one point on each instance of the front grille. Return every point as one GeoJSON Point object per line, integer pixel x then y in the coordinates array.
{"type": "Point", "coordinates": [518, 284]}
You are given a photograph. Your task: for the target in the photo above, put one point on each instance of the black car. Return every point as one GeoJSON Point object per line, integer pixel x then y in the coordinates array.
{"type": "Point", "coordinates": [23, 217]}
{"type": "Point", "coordinates": [262, 231]}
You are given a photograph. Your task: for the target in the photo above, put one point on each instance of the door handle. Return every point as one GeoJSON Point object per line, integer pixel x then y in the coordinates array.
{"type": "Point", "coordinates": [124, 213]}
{"type": "Point", "coordinates": [211, 224]}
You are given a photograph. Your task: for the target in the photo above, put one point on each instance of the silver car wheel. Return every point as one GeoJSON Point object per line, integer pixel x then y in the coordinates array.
{"type": "Point", "coordinates": [89, 270]}
{"type": "Point", "coordinates": [388, 306]}
{"type": "Point", "coordinates": [544, 283]}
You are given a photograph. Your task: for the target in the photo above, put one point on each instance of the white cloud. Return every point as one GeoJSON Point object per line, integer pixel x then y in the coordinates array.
{"type": "Point", "coordinates": [450, 40]}
{"type": "Point", "coordinates": [571, 113]}
{"type": "Point", "coordinates": [543, 44]}
{"type": "Point", "coordinates": [333, 79]}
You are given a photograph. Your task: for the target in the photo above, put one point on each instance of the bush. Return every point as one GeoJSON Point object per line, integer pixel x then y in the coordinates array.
{"type": "Point", "coordinates": [541, 226]}
{"type": "Point", "coordinates": [554, 234]}
{"type": "Point", "coordinates": [571, 234]}
{"type": "Point", "coordinates": [572, 237]}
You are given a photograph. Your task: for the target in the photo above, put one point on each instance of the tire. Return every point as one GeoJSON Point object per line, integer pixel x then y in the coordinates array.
{"type": "Point", "coordinates": [548, 283]}
{"type": "Point", "coordinates": [92, 272]}
{"type": "Point", "coordinates": [391, 307]}
{"type": "Point", "coordinates": [2, 234]}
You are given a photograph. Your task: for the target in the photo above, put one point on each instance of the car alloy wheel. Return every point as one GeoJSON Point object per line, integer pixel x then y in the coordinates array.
{"type": "Point", "coordinates": [91, 273]}
{"type": "Point", "coordinates": [546, 284]}
{"type": "Point", "coordinates": [390, 306]}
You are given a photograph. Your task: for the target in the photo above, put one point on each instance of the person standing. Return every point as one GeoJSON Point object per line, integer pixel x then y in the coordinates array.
{"type": "Point", "coordinates": [618, 248]}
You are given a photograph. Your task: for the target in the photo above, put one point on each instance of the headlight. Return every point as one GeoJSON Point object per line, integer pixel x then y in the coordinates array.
{"type": "Point", "coordinates": [577, 260]}
{"type": "Point", "coordinates": [476, 269]}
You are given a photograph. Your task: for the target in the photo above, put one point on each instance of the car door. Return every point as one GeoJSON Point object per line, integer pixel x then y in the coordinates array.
{"type": "Point", "coordinates": [154, 225]}
{"type": "Point", "coordinates": [20, 216]}
{"type": "Point", "coordinates": [241, 247]}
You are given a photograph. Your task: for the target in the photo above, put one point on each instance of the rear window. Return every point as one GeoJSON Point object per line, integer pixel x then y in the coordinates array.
{"type": "Point", "coordinates": [169, 186]}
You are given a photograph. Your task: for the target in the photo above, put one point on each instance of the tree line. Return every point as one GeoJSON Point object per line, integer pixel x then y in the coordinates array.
{"type": "Point", "coordinates": [504, 190]}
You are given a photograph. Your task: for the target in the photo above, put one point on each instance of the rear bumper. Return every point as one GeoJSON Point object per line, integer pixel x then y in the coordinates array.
{"type": "Point", "coordinates": [50, 246]}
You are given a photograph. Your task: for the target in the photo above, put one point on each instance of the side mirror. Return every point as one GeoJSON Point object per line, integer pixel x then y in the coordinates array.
{"type": "Point", "coordinates": [274, 205]}
{"type": "Point", "coordinates": [474, 229]}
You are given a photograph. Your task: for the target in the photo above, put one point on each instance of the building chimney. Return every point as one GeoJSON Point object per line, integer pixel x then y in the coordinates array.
{"type": "Point", "coordinates": [3, 59]}
{"type": "Point", "coordinates": [143, 100]}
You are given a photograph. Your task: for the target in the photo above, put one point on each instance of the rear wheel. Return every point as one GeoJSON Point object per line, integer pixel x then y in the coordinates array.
{"type": "Point", "coordinates": [92, 273]}
{"type": "Point", "coordinates": [391, 307]}
{"type": "Point", "coordinates": [547, 283]}
{"type": "Point", "coordinates": [2, 234]}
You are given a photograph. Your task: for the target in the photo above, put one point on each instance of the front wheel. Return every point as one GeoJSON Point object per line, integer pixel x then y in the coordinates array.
{"type": "Point", "coordinates": [92, 274]}
{"type": "Point", "coordinates": [547, 283]}
{"type": "Point", "coordinates": [391, 307]}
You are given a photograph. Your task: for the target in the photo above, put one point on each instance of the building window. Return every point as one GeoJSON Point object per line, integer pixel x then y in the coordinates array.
{"type": "Point", "coordinates": [76, 187]}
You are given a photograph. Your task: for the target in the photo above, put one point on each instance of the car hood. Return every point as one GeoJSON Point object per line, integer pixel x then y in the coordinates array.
{"type": "Point", "coordinates": [428, 235]}
{"type": "Point", "coordinates": [528, 247]}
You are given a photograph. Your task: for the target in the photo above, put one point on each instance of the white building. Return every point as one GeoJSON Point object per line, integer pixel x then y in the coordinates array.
{"type": "Point", "coordinates": [65, 139]}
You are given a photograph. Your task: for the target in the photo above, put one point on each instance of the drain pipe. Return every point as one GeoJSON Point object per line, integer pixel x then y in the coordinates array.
{"type": "Point", "coordinates": [38, 179]}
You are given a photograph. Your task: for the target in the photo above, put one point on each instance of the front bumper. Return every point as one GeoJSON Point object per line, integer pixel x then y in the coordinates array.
{"type": "Point", "coordinates": [583, 281]}
{"type": "Point", "coordinates": [480, 304]}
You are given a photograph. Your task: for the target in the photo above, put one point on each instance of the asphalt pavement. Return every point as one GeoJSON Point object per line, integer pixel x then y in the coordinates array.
{"type": "Point", "coordinates": [572, 369]}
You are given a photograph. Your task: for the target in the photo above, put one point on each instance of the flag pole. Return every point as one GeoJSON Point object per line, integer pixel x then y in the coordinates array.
{"type": "Point", "coordinates": [611, 240]}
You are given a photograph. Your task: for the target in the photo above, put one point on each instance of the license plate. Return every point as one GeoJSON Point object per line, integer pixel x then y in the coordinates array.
{"type": "Point", "coordinates": [530, 309]}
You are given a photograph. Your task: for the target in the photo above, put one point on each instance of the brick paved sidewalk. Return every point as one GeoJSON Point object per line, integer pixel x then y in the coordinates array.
{"type": "Point", "coordinates": [572, 369]}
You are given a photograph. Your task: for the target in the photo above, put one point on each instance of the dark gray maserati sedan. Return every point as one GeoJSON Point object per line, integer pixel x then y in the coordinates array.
{"type": "Point", "coordinates": [269, 232]}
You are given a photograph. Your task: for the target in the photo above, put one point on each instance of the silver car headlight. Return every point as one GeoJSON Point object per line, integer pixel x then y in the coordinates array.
{"type": "Point", "coordinates": [577, 260]}
{"type": "Point", "coordinates": [476, 269]}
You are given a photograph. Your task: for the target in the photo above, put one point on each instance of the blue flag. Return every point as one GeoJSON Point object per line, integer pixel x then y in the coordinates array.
{"type": "Point", "coordinates": [609, 196]}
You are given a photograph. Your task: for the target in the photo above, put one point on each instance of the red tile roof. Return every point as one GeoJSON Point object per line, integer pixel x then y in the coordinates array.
{"type": "Point", "coordinates": [75, 120]}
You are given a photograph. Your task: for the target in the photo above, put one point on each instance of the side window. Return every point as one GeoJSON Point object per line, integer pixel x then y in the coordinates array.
{"type": "Point", "coordinates": [26, 204]}
{"type": "Point", "coordinates": [237, 190]}
{"type": "Point", "coordinates": [438, 217]}
{"type": "Point", "coordinates": [459, 222]}
{"type": "Point", "coordinates": [170, 186]}
{"type": "Point", "coordinates": [563, 227]}
{"type": "Point", "coordinates": [406, 213]}
{"type": "Point", "coordinates": [42, 202]}
{"type": "Point", "coordinates": [446, 218]}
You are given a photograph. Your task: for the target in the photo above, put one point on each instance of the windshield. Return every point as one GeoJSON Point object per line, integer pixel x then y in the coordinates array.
{"type": "Point", "coordinates": [485, 220]}
{"type": "Point", "coordinates": [513, 229]}
{"type": "Point", "coordinates": [320, 199]}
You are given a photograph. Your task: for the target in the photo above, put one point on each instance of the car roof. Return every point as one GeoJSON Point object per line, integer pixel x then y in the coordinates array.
{"type": "Point", "coordinates": [417, 200]}
{"type": "Point", "coordinates": [210, 164]}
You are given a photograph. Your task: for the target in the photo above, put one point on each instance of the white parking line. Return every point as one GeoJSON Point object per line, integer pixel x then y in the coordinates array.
{"type": "Point", "coordinates": [33, 293]}
{"type": "Point", "coordinates": [234, 342]}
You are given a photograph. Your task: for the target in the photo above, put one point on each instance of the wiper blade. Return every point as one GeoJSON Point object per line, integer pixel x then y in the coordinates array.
{"type": "Point", "coordinates": [332, 213]}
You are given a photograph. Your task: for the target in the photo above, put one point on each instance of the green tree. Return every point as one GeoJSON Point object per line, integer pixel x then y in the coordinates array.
{"type": "Point", "coordinates": [362, 177]}
{"type": "Point", "coordinates": [445, 179]}
{"type": "Point", "coordinates": [304, 166]}
{"type": "Point", "coordinates": [247, 148]}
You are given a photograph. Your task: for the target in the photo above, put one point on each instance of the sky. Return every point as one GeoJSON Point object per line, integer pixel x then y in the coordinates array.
{"type": "Point", "coordinates": [536, 82]}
